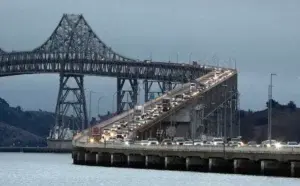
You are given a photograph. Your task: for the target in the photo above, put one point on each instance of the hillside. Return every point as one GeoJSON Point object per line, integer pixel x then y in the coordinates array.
{"type": "Point", "coordinates": [13, 136]}
{"type": "Point", "coordinates": [30, 128]}
{"type": "Point", "coordinates": [285, 123]}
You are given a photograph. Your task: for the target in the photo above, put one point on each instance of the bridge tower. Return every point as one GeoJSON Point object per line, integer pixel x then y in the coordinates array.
{"type": "Point", "coordinates": [78, 103]}
{"type": "Point", "coordinates": [126, 97]}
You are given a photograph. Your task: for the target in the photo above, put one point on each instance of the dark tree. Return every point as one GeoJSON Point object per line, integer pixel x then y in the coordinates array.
{"type": "Point", "coordinates": [291, 105]}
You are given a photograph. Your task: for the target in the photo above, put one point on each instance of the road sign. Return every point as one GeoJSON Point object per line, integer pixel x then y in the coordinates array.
{"type": "Point", "coordinates": [199, 107]}
{"type": "Point", "coordinates": [171, 131]}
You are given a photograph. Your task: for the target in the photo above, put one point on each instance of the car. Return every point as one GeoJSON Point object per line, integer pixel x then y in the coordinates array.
{"type": "Point", "coordinates": [293, 144]}
{"type": "Point", "coordinates": [252, 144]}
{"type": "Point", "coordinates": [188, 143]}
{"type": "Point", "coordinates": [128, 141]}
{"type": "Point", "coordinates": [235, 142]}
{"type": "Point", "coordinates": [166, 142]}
{"type": "Point", "coordinates": [152, 141]}
{"type": "Point", "coordinates": [269, 143]}
{"type": "Point", "coordinates": [179, 141]}
{"type": "Point", "coordinates": [144, 142]}
{"type": "Point", "coordinates": [198, 142]}
{"type": "Point", "coordinates": [217, 141]}
{"type": "Point", "coordinates": [155, 114]}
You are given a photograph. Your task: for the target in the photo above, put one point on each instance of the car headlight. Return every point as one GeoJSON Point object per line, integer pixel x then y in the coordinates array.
{"type": "Point", "coordinates": [92, 140]}
{"type": "Point", "coordinates": [278, 145]}
{"type": "Point", "coordinates": [268, 145]}
{"type": "Point", "coordinates": [215, 143]}
{"type": "Point", "coordinates": [126, 143]}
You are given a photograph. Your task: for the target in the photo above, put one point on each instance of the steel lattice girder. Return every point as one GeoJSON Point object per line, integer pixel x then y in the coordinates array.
{"type": "Point", "coordinates": [31, 63]}
{"type": "Point", "coordinates": [78, 104]}
{"type": "Point", "coordinates": [74, 48]}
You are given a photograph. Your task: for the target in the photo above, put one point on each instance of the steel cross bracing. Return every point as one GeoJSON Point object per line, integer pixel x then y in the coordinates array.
{"type": "Point", "coordinates": [78, 103]}
{"type": "Point", "coordinates": [163, 87]}
{"type": "Point", "coordinates": [74, 50]}
{"type": "Point", "coordinates": [126, 97]}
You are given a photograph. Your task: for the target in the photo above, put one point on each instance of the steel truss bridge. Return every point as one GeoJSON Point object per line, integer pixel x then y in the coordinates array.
{"type": "Point", "coordinates": [74, 50]}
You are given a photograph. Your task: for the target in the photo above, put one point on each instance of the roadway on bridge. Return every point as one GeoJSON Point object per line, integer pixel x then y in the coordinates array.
{"type": "Point", "coordinates": [210, 80]}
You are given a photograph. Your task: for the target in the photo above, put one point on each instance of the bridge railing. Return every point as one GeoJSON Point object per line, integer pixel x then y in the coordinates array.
{"type": "Point", "coordinates": [183, 148]}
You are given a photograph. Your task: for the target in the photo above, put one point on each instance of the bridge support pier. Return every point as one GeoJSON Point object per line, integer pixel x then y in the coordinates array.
{"type": "Point", "coordinates": [245, 166]}
{"type": "Point", "coordinates": [90, 158]}
{"type": "Point", "coordinates": [196, 163]}
{"type": "Point", "coordinates": [174, 162]}
{"type": "Point", "coordinates": [219, 165]}
{"type": "Point", "coordinates": [295, 168]}
{"type": "Point", "coordinates": [118, 159]}
{"type": "Point", "coordinates": [270, 167]}
{"type": "Point", "coordinates": [134, 160]}
{"type": "Point", "coordinates": [65, 101]}
{"type": "Point", "coordinates": [80, 158]}
{"type": "Point", "coordinates": [126, 97]}
{"type": "Point", "coordinates": [154, 162]}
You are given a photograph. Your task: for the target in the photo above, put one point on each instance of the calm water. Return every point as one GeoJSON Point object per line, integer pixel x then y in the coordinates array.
{"type": "Point", "coordinates": [57, 169]}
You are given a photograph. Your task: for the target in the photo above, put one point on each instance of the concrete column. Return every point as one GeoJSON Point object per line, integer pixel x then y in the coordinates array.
{"type": "Point", "coordinates": [135, 160]}
{"type": "Point", "coordinates": [154, 161]}
{"type": "Point", "coordinates": [174, 162]}
{"type": "Point", "coordinates": [196, 163]}
{"type": "Point", "coordinates": [80, 157]}
{"type": "Point", "coordinates": [146, 161]}
{"type": "Point", "coordinates": [118, 159]}
{"type": "Point", "coordinates": [166, 162]}
{"type": "Point", "coordinates": [98, 159]}
{"type": "Point", "coordinates": [295, 168]}
{"type": "Point", "coordinates": [262, 167]}
{"type": "Point", "coordinates": [236, 165]}
{"type": "Point", "coordinates": [90, 158]}
{"type": "Point", "coordinates": [210, 164]}
{"type": "Point", "coordinates": [74, 157]}
{"type": "Point", "coordinates": [187, 163]}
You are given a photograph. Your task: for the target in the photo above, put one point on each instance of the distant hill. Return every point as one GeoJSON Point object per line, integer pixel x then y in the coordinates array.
{"type": "Point", "coordinates": [30, 128]}
{"type": "Point", "coordinates": [285, 123]}
{"type": "Point", "coordinates": [36, 122]}
{"type": "Point", "coordinates": [27, 128]}
{"type": "Point", "coordinates": [13, 136]}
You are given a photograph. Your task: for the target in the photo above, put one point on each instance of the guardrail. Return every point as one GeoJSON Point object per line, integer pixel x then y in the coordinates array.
{"type": "Point", "coordinates": [182, 148]}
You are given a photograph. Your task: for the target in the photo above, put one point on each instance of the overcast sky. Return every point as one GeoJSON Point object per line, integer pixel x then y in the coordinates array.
{"type": "Point", "coordinates": [263, 36]}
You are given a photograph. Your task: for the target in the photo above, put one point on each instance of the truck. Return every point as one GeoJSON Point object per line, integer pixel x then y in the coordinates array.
{"type": "Point", "coordinates": [96, 134]}
{"type": "Point", "coordinates": [138, 112]}
{"type": "Point", "coordinates": [166, 104]}
{"type": "Point", "coordinates": [193, 87]}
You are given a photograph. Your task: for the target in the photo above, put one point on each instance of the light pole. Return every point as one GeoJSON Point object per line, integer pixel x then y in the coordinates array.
{"type": "Point", "coordinates": [270, 108]}
{"type": "Point", "coordinates": [99, 104]}
{"type": "Point", "coordinates": [225, 114]}
{"type": "Point", "coordinates": [177, 55]}
{"type": "Point", "coordinates": [113, 102]}
{"type": "Point", "coordinates": [190, 57]}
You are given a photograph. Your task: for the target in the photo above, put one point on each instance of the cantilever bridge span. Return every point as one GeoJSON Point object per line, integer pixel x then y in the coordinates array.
{"type": "Point", "coordinates": [74, 50]}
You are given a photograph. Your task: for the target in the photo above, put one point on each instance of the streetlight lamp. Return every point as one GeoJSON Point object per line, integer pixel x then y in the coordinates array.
{"type": "Point", "coordinates": [225, 114]}
{"type": "Point", "coordinates": [99, 104]}
{"type": "Point", "coordinates": [190, 57]}
{"type": "Point", "coordinates": [270, 108]}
